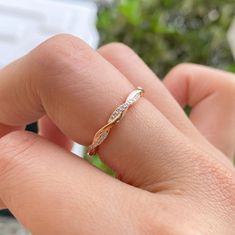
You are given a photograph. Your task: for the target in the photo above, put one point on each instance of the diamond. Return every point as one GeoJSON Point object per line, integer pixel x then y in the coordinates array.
{"type": "Point", "coordinates": [135, 98]}
{"type": "Point", "coordinates": [132, 100]}
{"type": "Point", "coordinates": [122, 108]}
{"type": "Point", "coordinates": [125, 105]}
{"type": "Point", "coordinates": [102, 137]}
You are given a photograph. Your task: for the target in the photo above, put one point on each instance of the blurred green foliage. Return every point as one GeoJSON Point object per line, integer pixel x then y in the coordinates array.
{"type": "Point", "coordinates": [95, 160]}
{"type": "Point", "coordinates": [167, 32]}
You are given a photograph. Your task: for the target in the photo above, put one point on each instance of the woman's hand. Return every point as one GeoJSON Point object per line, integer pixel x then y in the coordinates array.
{"type": "Point", "coordinates": [176, 175]}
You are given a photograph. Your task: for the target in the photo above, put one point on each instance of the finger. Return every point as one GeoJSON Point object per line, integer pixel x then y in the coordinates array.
{"type": "Point", "coordinates": [51, 132]}
{"type": "Point", "coordinates": [211, 94]}
{"type": "Point", "coordinates": [78, 89]}
{"type": "Point", "coordinates": [133, 68]}
{"type": "Point", "coordinates": [5, 129]}
{"type": "Point", "coordinates": [51, 191]}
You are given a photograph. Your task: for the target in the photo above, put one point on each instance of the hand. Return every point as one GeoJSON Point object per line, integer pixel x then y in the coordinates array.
{"type": "Point", "coordinates": [176, 175]}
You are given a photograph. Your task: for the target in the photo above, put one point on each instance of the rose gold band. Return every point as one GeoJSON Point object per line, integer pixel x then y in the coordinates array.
{"type": "Point", "coordinates": [115, 117]}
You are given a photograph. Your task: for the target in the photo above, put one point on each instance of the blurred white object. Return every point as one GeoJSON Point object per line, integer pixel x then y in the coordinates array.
{"type": "Point", "coordinates": [9, 226]}
{"type": "Point", "coordinates": [26, 23]}
{"type": "Point", "coordinates": [231, 37]}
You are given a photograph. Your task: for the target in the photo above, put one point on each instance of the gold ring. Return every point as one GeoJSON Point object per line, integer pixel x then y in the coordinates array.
{"type": "Point", "coordinates": [115, 117]}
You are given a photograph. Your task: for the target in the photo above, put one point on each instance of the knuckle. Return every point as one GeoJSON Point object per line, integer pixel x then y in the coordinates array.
{"type": "Point", "coordinates": [61, 44]}
{"type": "Point", "coordinates": [13, 148]}
{"type": "Point", "coordinates": [60, 54]}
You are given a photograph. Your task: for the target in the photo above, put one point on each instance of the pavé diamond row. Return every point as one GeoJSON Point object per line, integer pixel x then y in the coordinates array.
{"type": "Point", "coordinates": [115, 117]}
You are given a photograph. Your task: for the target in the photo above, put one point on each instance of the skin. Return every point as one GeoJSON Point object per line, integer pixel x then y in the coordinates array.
{"type": "Point", "coordinates": [175, 174]}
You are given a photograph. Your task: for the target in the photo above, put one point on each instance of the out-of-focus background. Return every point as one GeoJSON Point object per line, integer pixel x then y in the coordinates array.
{"type": "Point", "coordinates": [167, 32]}
{"type": "Point", "coordinates": [163, 32]}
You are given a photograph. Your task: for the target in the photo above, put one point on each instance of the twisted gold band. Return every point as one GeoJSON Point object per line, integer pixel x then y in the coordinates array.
{"type": "Point", "coordinates": [115, 117]}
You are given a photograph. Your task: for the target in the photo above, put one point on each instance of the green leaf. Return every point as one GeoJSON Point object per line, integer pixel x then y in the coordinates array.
{"type": "Point", "coordinates": [130, 9]}
{"type": "Point", "coordinates": [166, 33]}
{"type": "Point", "coordinates": [96, 161]}
{"type": "Point", "coordinates": [187, 110]}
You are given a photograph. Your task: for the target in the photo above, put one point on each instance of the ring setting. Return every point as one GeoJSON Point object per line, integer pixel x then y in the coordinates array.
{"type": "Point", "coordinates": [115, 118]}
